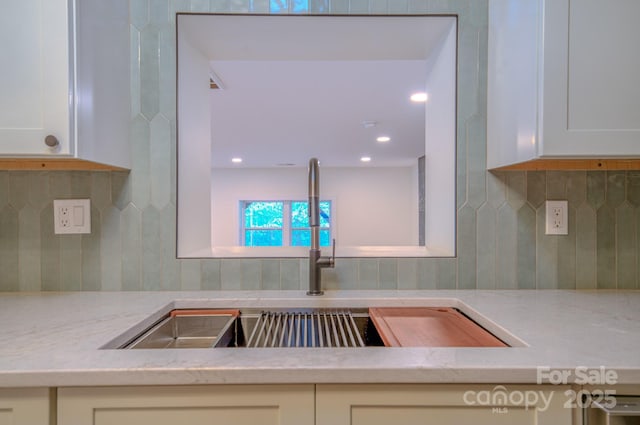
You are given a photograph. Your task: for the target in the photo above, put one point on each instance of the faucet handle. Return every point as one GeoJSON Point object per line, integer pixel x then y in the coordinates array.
{"type": "Point", "coordinates": [324, 261]}
{"type": "Point", "coordinates": [332, 261]}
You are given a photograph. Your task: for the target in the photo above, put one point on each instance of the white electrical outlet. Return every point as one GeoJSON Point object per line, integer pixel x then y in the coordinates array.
{"type": "Point", "coordinates": [557, 218]}
{"type": "Point", "coordinates": [71, 216]}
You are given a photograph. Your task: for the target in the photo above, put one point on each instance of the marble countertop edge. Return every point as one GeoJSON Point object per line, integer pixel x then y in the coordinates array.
{"type": "Point", "coordinates": [54, 339]}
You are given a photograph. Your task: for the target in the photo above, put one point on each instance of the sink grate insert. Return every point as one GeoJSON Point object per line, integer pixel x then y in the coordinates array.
{"type": "Point", "coordinates": [321, 329]}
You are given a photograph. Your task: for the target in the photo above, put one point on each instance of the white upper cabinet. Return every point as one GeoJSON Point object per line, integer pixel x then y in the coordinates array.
{"type": "Point", "coordinates": [36, 77]}
{"type": "Point", "coordinates": [563, 80]}
{"type": "Point", "coordinates": [65, 74]}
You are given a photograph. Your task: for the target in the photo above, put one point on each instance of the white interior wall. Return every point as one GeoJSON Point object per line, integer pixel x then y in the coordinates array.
{"type": "Point", "coordinates": [440, 158]}
{"type": "Point", "coordinates": [366, 200]}
{"type": "Point", "coordinates": [194, 149]}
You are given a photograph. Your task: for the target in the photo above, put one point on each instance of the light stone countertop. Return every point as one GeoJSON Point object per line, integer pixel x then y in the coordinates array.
{"type": "Point", "coordinates": [54, 339]}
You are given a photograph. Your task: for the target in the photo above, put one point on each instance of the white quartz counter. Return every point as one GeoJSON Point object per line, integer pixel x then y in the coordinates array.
{"type": "Point", "coordinates": [55, 339]}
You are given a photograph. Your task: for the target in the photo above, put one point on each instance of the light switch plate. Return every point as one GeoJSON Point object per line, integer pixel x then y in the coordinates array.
{"type": "Point", "coordinates": [71, 216]}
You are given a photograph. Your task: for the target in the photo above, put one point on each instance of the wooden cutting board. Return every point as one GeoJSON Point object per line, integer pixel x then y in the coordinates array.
{"type": "Point", "coordinates": [429, 327]}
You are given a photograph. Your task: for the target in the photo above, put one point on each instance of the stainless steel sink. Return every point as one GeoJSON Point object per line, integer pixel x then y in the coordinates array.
{"type": "Point", "coordinates": [300, 327]}
{"type": "Point", "coordinates": [262, 329]}
{"type": "Point", "coordinates": [187, 331]}
{"type": "Point", "coordinates": [306, 328]}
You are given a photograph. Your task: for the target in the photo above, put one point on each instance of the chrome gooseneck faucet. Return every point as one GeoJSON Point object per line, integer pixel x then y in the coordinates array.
{"type": "Point", "coordinates": [316, 260]}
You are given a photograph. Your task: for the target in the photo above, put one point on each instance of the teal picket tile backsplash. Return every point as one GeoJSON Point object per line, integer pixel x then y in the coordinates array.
{"type": "Point", "coordinates": [633, 188]}
{"type": "Point", "coordinates": [9, 238]}
{"type": "Point", "coordinates": [596, 188]}
{"type": "Point", "coordinates": [500, 241]}
{"type": "Point", "coordinates": [586, 249]}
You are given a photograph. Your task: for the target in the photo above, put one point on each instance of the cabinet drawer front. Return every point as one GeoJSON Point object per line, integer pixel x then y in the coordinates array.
{"type": "Point", "coordinates": [24, 406]}
{"type": "Point", "coordinates": [233, 404]}
{"type": "Point", "coordinates": [441, 404]}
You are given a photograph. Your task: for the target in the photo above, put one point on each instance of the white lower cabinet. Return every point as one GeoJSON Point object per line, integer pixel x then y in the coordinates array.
{"type": "Point", "coordinates": [24, 406]}
{"type": "Point", "coordinates": [339, 404]}
{"type": "Point", "coordinates": [193, 405]}
{"type": "Point", "coordinates": [609, 405]}
{"type": "Point", "coordinates": [441, 405]}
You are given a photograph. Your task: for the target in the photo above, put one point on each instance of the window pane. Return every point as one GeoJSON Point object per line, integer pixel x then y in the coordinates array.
{"type": "Point", "coordinates": [301, 238]}
{"type": "Point", "coordinates": [280, 6]}
{"type": "Point", "coordinates": [325, 213]}
{"type": "Point", "coordinates": [300, 214]}
{"type": "Point", "coordinates": [325, 238]}
{"type": "Point", "coordinates": [300, 6]}
{"type": "Point", "coordinates": [263, 238]}
{"type": "Point", "coordinates": [263, 214]}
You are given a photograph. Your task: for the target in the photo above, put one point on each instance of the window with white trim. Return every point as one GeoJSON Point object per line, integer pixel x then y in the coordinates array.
{"type": "Point", "coordinates": [281, 223]}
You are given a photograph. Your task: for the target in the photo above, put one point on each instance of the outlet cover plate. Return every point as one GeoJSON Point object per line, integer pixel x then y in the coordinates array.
{"type": "Point", "coordinates": [557, 218]}
{"type": "Point", "coordinates": [71, 216]}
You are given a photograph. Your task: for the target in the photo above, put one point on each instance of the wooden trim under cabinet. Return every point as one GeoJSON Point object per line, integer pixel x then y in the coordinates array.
{"type": "Point", "coordinates": [573, 165]}
{"type": "Point", "coordinates": [55, 164]}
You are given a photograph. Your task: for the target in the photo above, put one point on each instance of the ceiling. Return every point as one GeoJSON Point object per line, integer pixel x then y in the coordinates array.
{"type": "Point", "coordinates": [281, 104]}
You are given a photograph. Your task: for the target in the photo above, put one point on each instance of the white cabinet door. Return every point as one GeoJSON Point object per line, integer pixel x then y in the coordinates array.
{"type": "Point", "coordinates": [193, 405]}
{"type": "Point", "coordinates": [591, 101]}
{"type": "Point", "coordinates": [562, 80]}
{"type": "Point", "coordinates": [34, 76]}
{"type": "Point", "coordinates": [441, 405]}
{"type": "Point", "coordinates": [65, 74]}
{"type": "Point", "coordinates": [24, 406]}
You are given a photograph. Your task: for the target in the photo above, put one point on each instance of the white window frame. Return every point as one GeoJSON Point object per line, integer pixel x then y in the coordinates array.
{"type": "Point", "coordinates": [287, 229]}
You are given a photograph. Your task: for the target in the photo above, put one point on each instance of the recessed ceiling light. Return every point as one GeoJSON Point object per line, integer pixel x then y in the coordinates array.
{"type": "Point", "coordinates": [365, 159]}
{"type": "Point", "coordinates": [419, 97]}
{"type": "Point", "coordinates": [383, 139]}
{"type": "Point", "coordinates": [236, 160]}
